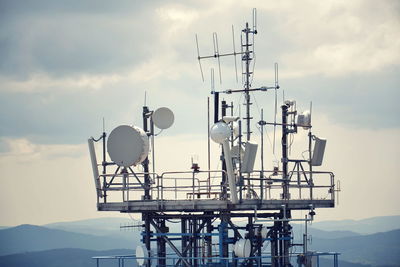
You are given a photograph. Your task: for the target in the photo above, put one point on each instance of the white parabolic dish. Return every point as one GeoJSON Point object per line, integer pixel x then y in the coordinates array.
{"type": "Point", "coordinates": [128, 145]}
{"type": "Point", "coordinates": [242, 248]}
{"type": "Point", "coordinates": [141, 252]}
{"type": "Point", "coordinates": [163, 118]}
{"type": "Point", "coordinates": [219, 132]}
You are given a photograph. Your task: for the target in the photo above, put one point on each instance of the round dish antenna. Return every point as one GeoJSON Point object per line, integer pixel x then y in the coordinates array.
{"type": "Point", "coordinates": [128, 145]}
{"type": "Point", "coordinates": [141, 254]}
{"type": "Point", "coordinates": [242, 248]}
{"type": "Point", "coordinates": [219, 132]}
{"type": "Point", "coordinates": [163, 118]}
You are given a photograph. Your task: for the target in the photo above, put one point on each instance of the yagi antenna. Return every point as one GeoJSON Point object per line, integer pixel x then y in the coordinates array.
{"type": "Point", "coordinates": [198, 58]}
{"type": "Point", "coordinates": [216, 54]}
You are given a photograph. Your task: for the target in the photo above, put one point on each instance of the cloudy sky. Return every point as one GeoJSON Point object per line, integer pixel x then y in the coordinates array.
{"type": "Point", "coordinates": [66, 65]}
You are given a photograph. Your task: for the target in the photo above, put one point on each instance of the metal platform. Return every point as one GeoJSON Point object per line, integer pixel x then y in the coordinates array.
{"type": "Point", "coordinates": [212, 205]}
{"type": "Point", "coordinates": [171, 259]}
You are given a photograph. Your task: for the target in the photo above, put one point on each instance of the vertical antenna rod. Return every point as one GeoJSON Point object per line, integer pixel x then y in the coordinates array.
{"type": "Point", "coordinates": [247, 59]}
{"type": "Point", "coordinates": [208, 147]}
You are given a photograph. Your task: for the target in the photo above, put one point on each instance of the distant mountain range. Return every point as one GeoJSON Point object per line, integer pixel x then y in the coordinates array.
{"type": "Point", "coordinates": [65, 257]}
{"type": "Point", "coordinates": [374, 250]}
{"type": "Point", "coordinates": [28, 238]}
{"type": "Point", "coordinates": [99, 226]}
{"type": "Point", "coordinates": [76, 242]}
{"type": "Point", "coordinates": [365, 226]}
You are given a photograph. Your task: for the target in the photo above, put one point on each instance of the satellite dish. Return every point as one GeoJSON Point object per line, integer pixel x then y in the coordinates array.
{"type": "Point", "coordinates": [128, 145]}
{"type": "Point", "coordinates": [141, 254]}
{"type": "Point", "coordinates": [242, 248]}
{"type": "Point", "coordinates": [219, 132]}
{"type": "Point", "coordinates": [163, 118]}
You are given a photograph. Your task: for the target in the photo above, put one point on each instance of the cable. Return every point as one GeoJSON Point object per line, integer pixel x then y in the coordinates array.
{"type": "Point", "coordinates": [269, 140]}
{"type": "Point", "coordinates": [258, 108]}
{"type": "Point", "coordinates": [254, 64]}
{"type": "Point", "coordinates": [96, 140]}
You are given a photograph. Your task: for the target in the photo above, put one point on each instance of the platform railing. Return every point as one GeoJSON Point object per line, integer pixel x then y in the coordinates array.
{"type": "Point", "coordinates": [198, 185]}
{"type": "Point", "coordinates": [263, 260]}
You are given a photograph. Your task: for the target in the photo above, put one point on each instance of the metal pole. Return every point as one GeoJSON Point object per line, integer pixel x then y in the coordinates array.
{"type": "Point", "coordinates": [145, 163]}
{"type": "Point", "coordinates": [240, 162]}
{"type": "Point", "coordinates": [223, 182]}
{"type": "Point", "coordinates": [216, 107]}
{"type": "Point", "coordinates": [285, 194]}
{"type": "Point", "coordinates": [262, 156]}
{"type": "Point", "coordinates": [309, 163]}
{"type": "Point", "coordinates": [104, 168]}
{"type": "Point", "coordinates": [208, 147]}
{"type": "Point", "coordinates": [247, 83]}
{"type": "Point", "coordinates": [209, 228]}
{"type": "Point", "coordinates": [285, 226]}
{"type": "Point", "coordinates": [146, 236]}
{"type": "Point", "coordinates": [184, 237]}
{"type": "Point", "coordinates": [161, 244]}
{"type": "Point", "coordinates": [195, 247]}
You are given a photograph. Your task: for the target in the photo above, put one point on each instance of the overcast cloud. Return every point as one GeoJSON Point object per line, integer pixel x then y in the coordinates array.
{"type": "Point", "coordinates": [66, 65]}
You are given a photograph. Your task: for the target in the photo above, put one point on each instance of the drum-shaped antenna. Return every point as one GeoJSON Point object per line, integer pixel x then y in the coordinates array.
{"type": "Point", "coordinates": [141, 254]}
{"type": "Point", "coordinates": [163, 118]}
{"type": "Point", "coordinates": [128, 145]}
{"type": "Point", "coordinates": [242, 248]}
{"type": "Point", "coordinates": [219, 132]}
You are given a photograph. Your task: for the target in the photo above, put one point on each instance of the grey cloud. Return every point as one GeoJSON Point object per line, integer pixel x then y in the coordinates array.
{"type": "Point", "coordinates": [66, 40]}
{"type": "Point", "coordinates": [367, 100]}
{"type": "Point", "coordinates": [60, 41]}
{"type": "Point", "coordinates": [67, 117]}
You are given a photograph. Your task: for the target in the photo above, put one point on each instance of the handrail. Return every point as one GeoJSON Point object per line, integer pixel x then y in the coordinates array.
{"type": "Point", "coordinates": [185, 185]}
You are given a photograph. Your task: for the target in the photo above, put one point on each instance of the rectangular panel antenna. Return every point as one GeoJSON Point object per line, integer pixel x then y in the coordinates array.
{"type": "Point", "coordinates": [249, 157]}
{"type": "Point", "coordinates": [318, 153]}
{"type": "Point", "coordinates": [93, 159]}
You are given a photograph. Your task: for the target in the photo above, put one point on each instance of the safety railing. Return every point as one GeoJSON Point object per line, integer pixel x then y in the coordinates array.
{"type": "Point", "coordinates": [299, 259]}
{"type": "Point", "coordinates": [197, 185]}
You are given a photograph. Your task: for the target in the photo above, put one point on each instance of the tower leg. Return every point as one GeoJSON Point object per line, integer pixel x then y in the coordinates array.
{"type": "Point", "coordinates": [161, 244]}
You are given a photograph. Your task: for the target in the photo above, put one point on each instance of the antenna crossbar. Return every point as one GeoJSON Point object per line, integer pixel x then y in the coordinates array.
{"type": "Point", "coordinates": [220, 55]}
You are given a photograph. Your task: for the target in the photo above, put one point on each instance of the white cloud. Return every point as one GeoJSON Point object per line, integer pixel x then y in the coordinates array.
{"type": "Point", "coordinates": [340, 38]}
{"type": "Point", "coordinates": [39, 83]}
{"type": "Point", "coordinates": [337, 39]}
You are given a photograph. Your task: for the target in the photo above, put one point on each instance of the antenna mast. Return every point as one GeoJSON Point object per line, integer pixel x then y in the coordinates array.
{"type": "Point", "coordinates": [247, 54]}
{"type": "Point", "coordinates": [247, 58]}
